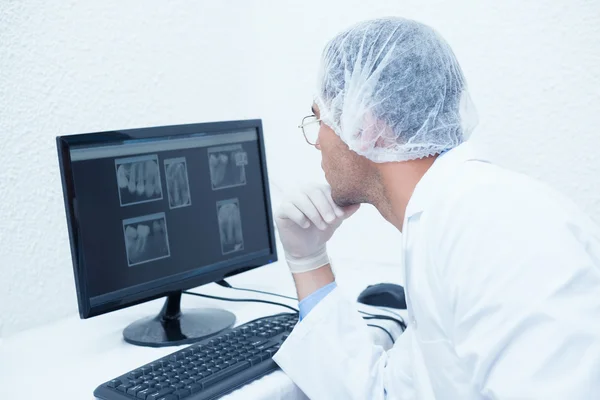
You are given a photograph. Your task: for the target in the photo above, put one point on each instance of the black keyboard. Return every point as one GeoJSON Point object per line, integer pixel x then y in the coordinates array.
{"type": "Point", "coordinates": [209, 369]}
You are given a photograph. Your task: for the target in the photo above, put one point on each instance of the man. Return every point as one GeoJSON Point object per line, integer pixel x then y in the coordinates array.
{"type": "Point", "coordinates": [501, 274]}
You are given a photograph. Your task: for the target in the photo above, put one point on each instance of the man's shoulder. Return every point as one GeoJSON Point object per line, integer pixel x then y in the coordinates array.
{"type": "Point", "coordinates": [477, 194]}
{"type": "Point", "coordinates": [480, 185]}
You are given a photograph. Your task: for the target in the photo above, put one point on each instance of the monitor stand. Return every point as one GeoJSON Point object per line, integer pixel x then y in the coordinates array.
{"type": "Point", "coordinates": [172, 328]}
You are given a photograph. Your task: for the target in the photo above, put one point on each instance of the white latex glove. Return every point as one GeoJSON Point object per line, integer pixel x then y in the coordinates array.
{"type": "Point", "coordinates": [305, 223]}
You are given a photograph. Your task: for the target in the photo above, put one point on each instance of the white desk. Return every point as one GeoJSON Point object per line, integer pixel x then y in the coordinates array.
{"type": "Point", "coordinates": [70, 358]}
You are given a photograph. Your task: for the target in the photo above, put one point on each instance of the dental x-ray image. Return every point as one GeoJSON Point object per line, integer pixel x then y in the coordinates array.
{"type": "Point", "coordinates": [146, 238]}
{"type": "Point", "coordinates": [227, 166]}
{"type": "Point", "coordinates": [178, 185]}
{"type": "Point", "coordinates": [138, 179]}
{"type": "Point", "coordinates": [230, 226]}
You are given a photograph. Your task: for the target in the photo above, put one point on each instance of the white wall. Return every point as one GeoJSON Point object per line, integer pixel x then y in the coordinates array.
{"type": "Point", "coordinates": [70, 67]}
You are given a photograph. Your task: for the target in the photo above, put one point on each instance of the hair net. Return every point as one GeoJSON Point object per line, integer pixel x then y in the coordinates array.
{"type": "Point", "coordinates": [393, 90]}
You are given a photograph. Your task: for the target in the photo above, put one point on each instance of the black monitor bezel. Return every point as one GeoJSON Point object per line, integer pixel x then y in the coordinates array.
{"type": "Point", "coordinates": [66, 142]}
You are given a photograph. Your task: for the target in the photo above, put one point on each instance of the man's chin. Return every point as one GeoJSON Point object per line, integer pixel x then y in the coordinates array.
{"type": "Point", "coordinates": [341, 199]}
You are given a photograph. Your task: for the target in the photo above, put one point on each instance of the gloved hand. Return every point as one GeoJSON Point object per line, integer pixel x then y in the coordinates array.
{"type": "Point", "coordinates": [305, 223]}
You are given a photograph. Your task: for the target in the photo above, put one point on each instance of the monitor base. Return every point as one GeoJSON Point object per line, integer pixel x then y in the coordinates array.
{"type": "Point", "coordinates": [173, 328]}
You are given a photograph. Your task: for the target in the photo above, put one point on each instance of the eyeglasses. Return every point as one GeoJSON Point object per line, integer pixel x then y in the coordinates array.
{"type": "Point", "coordinates": [310, 129]}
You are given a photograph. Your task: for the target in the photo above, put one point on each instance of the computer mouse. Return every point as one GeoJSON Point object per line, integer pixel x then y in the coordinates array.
{"type": "Point", "coordinates": [383, 295]}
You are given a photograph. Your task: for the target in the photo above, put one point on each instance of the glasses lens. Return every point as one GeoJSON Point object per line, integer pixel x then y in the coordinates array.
{"type": "Point", "coordinates": [311, 129]}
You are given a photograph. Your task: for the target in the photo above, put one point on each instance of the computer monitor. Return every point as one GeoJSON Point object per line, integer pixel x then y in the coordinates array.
{"type": "Point", "coordinates": [155, 211]}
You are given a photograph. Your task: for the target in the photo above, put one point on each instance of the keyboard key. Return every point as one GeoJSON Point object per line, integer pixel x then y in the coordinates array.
{"type": "Point", "coordinates": [134, 390]}
{"type": "Point", "coordinates": [123, 388]}
{"type": "Point", "coordinates": [186, 353]}
{"type": "Point", "coordinates": [114, 383]}
{"type": "Point", "coordinates": [255, 360]}
{"type": "Point", "coordinates": [135, 374]}
{"type": "Point", "coordinates": [272, 351]}
{"type": "Point", "coordinates": [181, 393]}
{"type": "Point", "coordinates": [205, 374]}
{"type": "Point", "coordinates": [169, 397]}
{"type": "Point", "coordinates": [161, 393]}
{"type": "Point", "coordinates": [219, 376]}
{"type": "Point", "coordinates": [265, 356]}
{"type": "Point", "coordinates": [143, 394]}
{"type": "Point", "coordinates": [267, 345]}
{"type": "Point", "coordinates": [194, 388]}
{"type": "Point", "coordinates": [187, 382]}
{"type": "Point", "coordinates": [138, 381]}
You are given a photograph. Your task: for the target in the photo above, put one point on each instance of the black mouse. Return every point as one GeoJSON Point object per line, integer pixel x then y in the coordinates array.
{"type": "Point", "coordinates": [383, 295]}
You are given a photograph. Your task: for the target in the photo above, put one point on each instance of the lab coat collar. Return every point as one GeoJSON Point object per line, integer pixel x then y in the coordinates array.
{"type": "Point", "coordinates": [429, 184]}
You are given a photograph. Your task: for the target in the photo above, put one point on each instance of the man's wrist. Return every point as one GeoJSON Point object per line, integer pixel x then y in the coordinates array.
{"type": "Point", "coordinates": [308, 263]}
{"type": "Point", "coordinates": [311, 281]}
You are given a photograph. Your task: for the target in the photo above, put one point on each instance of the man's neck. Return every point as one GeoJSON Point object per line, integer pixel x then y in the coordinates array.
{"type": "Point", "coordinates": [397, 184]}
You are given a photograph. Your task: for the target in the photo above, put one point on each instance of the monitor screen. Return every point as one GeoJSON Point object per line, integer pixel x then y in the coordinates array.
{"type": "Point", "coordinates": [151, 212]}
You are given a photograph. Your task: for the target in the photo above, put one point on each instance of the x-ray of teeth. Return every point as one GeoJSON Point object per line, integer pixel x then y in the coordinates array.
{"type": "Point", "coordinates": [138, 179]}
{"type": "Point", "coordinates": [227, 166]}
{"type": "Point", "coordinates": [178, 185]}
{"type": "Point", "coordinates": [146, 238]}
{"type": "Point", "coordinates": [230, 226]}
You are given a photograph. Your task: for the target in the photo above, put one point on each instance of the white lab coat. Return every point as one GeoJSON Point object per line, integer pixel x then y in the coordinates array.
{"type": "Point", "coordinates": [502, 277]}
